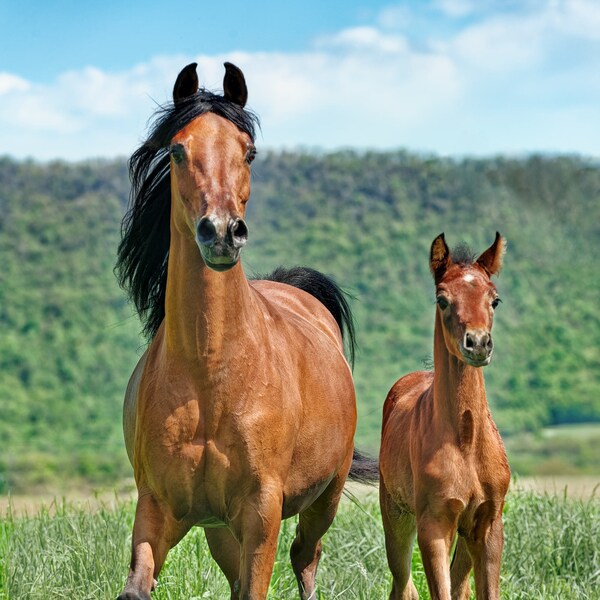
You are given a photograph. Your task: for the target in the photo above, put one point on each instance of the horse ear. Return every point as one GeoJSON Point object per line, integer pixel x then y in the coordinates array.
{"type": "Point", "coordinates": [439, 258]}
{"type": "Point", "coordinates": [234, 85]}
{"type": "Point", "coordinates": [186, 84]}
{"type": "Point", "coordinates": [491, 259]}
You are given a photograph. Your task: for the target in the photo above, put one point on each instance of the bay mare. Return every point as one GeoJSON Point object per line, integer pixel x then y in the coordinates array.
{"type": "Point", "coordinates": [242, 410]}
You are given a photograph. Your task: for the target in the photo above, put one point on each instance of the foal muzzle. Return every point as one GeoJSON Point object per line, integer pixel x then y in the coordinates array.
{"type": "Point", "coordinates": [477, 347]}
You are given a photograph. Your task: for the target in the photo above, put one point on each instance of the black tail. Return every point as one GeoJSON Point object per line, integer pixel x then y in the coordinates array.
{"type": "Point", "coordinates": [326, 291]}
{"type": "Point", "coordinates": [364, 469]}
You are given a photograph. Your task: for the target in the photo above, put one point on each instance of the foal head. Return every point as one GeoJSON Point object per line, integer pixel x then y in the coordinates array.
{"type": "Point", "coordinates": [466, 299]}
{"type": "Point", "coordinates": [210, 170]}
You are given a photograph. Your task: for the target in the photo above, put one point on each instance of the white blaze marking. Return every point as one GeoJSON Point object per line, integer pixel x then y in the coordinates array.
{"type": "Point", "coordinates": [468, 278]}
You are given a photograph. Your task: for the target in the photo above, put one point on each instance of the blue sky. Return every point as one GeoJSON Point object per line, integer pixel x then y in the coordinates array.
{"type": "Point", "coordinates": [451, 77]}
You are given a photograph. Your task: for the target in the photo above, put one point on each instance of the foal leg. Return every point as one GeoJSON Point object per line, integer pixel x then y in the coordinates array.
{"type": "Point", "coordinates": [225, 549]}
{"type": "Point", "coordinates": [154, 533]}
{"type": "Point", "coordinates": [486, 550]}
{"type": "Point", "coordinates": [399, 527]}
{"type": "Point", "coordinates": [313, 522]}
{"type": "Point", "coordinates": [435, 536]}
{"type": "Point", "coordinates": [460, 570]}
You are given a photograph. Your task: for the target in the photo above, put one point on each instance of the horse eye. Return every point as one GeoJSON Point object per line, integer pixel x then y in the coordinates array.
{"type": "Point", "coordinates": [495, 302]}
{"type": "Point", "coordinates": [251, 154]}
{"type": "Point", "coordinates": [178, 153]}
{"type": "Point", "coordinates": [442, 302]}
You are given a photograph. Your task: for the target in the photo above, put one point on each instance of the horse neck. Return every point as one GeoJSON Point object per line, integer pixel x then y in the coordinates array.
{"type": "Point", "coordinates": [457, 387]}
{"type": "Point", "coordinates": [205, 312]}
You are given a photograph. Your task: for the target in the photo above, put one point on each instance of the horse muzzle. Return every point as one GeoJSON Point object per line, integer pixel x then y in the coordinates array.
{"type": "Point", "coordinates": [220, 241]}
{"type": "Point", "coordinates": [477, 347]}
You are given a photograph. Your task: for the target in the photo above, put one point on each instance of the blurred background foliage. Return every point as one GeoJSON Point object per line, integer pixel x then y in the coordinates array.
{"type": "Point", "coordinates": [69, 338]}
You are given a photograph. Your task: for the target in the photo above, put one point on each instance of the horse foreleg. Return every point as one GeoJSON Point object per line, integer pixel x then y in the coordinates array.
{"type": "Point", "coordinates": [225, 549]}
{"type": "Point", "coordinates": [400, 529]}
{"type": "Point", "coordinates": [154, 534]}
{"type": "Point", "coordinates": [435, 536]}
{"type": "Point", "coordinates": [256, 527]}
{"type": "Point", "coordinates": [486, 550]}
{"type": "Point", "coordinates": [313, 522]}
{"type": "Point", "coordinates": [459, 571]}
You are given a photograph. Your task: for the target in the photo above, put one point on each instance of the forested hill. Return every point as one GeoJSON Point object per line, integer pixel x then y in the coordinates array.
{"type": "Point", "coordinates": [68, 340]}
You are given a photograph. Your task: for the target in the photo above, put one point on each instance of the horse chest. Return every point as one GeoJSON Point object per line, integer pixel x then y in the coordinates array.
{"type": "Point", "coordinates": [192, 478]}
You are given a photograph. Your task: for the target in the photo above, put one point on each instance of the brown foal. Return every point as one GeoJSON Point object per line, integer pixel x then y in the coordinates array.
{"type": "Point", "coordinates": [242, 410]}
{"type": "Point", "coordinates": [443, 467]}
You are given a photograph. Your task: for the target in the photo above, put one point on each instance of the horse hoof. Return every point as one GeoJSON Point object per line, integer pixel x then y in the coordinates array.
{"type": "Point", "coordinates": [134, 596]}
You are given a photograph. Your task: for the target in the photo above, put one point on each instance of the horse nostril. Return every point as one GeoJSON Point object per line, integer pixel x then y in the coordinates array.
{"type": "Point", "coordinates": [206, 231]}
{"type": "Point", "coordinates": [489, 343]}
{"type": "Point", "coordinates": [239, 231]}
{"type": "Point", "coordinates": [468, 341]}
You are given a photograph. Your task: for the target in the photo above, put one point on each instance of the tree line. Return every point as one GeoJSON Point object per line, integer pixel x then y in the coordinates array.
{"type": "Point", "coordinates": [69, 339]}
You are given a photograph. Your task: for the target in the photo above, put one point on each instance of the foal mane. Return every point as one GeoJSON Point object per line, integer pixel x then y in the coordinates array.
{"type": "Point", "coordinates": [142, 256]}
{"type": "Point", "coordinates": [463, 255]}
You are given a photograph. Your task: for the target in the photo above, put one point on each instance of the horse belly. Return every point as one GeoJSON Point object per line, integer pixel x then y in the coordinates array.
{"type": "Point", "coordinates": [323, 445]}
{"type": "Point", "coordinates": [295, 502]}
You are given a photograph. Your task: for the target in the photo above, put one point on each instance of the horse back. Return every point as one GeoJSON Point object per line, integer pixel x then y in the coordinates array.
{"type": "Point", "coordinates": [298, 307]}
{"type": "Point", "coordinates": [401, 404]}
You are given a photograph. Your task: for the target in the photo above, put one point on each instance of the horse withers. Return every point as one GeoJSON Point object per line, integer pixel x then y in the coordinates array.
{"type": "Point", "coordinates": [443, 467]}
{"type": "Point", "coordinates": [242, 411]}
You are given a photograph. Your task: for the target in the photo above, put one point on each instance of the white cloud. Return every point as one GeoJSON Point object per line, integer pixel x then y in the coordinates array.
{"type": "Point", "coordinates": [11, 83]}
{"type": "Point", "coordinates": [457, 8]}
{"type": "Point", "coordinates": [508, 81]}
{"type": "Point", "coordinates": [394, 17]}
{"type": "Point", "coordinates": [364, 39]}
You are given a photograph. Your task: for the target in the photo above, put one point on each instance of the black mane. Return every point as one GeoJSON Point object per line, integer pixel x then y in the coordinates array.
{"type": "Point", "coordinates": [143, 253]}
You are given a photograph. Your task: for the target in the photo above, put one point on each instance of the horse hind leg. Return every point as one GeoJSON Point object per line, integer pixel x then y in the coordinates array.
{"type": "Point", "coordinates": [306, 548]}
{"type": "Point", "coordinates": [400, 528]}
{"type": "Point", "coordinates": [225, 549]}
{"type": "Point", "coordinates": [486, 553]}
{"type": "Point", "coordinates": [459, 571]}
{"type": "Point", "coordinates": [154, 533]}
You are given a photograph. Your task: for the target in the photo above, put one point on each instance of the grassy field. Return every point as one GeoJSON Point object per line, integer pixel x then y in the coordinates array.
{"type": "Point", "coordinates": [568, 450]}
{"type": "Point", "coordinates": [66, 551]}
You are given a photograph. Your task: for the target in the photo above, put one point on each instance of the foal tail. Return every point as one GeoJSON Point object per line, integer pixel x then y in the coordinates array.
{"type": "Point", "coordinates": [364, 469]}
{"type": "Point", "coordinates": [327, 292]}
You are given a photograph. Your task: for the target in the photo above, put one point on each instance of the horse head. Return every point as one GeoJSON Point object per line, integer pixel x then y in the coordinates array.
{"type": "Point", "coordinates": [210, 170]}
{"type": "Point", "coordinates": [466, 299]}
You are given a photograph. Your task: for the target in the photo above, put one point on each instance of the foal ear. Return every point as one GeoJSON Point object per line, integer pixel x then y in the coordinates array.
{"type": "Point", "coordinates": [234, 85]}
{"type": "Point", "coordinates": [186, 84]}
{"type": "Point", "coordinates": [491, 259]}
{"type": "Point", "coordinates": [439, 257]}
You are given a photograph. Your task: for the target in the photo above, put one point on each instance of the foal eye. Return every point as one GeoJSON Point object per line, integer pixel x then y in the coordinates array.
{"type": "Point", "coordinates": [442, 302]}
{"type": "Point", "coordinates": [495, 302]}
{"type": "Point", "coordinates": [251, 154]}
{"type": "Point", "coordinates": [178, 153]}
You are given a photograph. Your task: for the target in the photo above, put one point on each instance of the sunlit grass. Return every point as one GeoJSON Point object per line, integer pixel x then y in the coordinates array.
{"type": "Point", "coordinates": [64, 551]}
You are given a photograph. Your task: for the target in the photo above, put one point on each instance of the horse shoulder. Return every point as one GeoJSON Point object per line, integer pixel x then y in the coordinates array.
{"type": "Point", "coordinates": [493, 468]}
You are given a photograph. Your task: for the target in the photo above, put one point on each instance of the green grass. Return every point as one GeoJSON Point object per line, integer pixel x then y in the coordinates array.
{"type": "Point", "coordinates": [551, 551]}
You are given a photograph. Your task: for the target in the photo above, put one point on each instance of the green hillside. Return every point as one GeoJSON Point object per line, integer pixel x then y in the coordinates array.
{"type": "Point", "coordinates": [68, 340]}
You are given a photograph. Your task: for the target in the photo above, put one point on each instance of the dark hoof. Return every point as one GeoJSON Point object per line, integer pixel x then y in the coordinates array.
{"type": "Point", "coordinates": [133, 596]}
